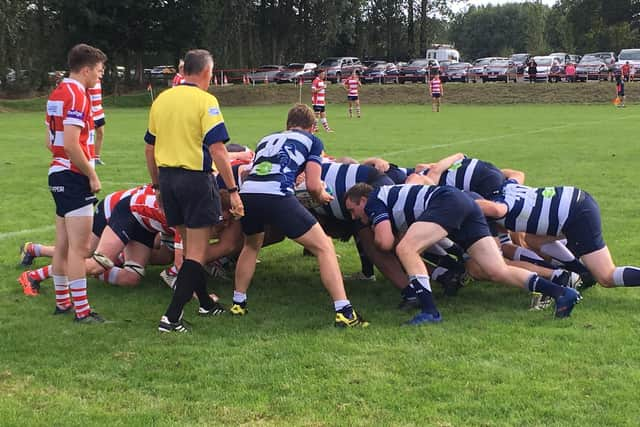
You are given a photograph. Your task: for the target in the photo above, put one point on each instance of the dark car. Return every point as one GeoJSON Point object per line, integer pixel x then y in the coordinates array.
{"type": "Point", "coordinates": [380, 73]}
{"type": "Point", "coordinates": [295, 71]}
{"type": "Point", "coordinates": [609, 58]}
{"type": "Point", "coordinates": [340, 67]}
{"type": "Point", "coordinates": [162, 72]}
{"type": "Point", "coordinates": [501, 70]}
{"type": "Point", "coordinates": [591, 68]}
{"type": "Point", "coordinates": [458, 72]}
{"type": "Point", "coordinates": [520, 61]}
{"type": "Point", "coordinates": [418, 70]}
{"type": "Point", "coordinates": [368, 63]}
{"type": "Point", "coordinates": [265, 73]}
{"type": "Point", "coordinates": [477, 70]}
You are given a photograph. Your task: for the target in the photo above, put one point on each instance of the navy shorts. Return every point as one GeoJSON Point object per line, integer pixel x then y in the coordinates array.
{"type": "Point", "coordinates": [70, 191]}
{"type": "Point", "coordinates": [583, 228]}
{"type": "Point", "coordinates": [189, 197]}
{"type": "Point", "coordinates": [621, 93]}
{"type": "Point", "coordinates": [436, 95]}
{"type": "Point", "coordinates": [458, 214]}
{"type": "Point", "coordinates": [318, 108]}
{"type": "Point", "coordinates": [127, 227]}
{"type": "Point", "coordinates": [352, 98]}
{"type": "Point", "coordinates": [99, 123]}
{"type": "Point", "coordinates": [99, 220]}
{"type": "Point", "coordinates": [283, 212]}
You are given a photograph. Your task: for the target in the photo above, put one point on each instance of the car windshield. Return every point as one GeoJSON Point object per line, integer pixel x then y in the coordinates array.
{"type": "Point", "coordinates": [485, 61]}
{"type": "Point", "coordinates": [295, 67]}
{"type": "Point", "coordinates": [519, 58]}
{"type": "Point", "coordinates": [329, 63]}
{"type": "Point", "coordinates": [500, 63]}
{"type": "Point", "coordinates": [590, 60]}
{"type": "Point", "coordinates": [419, 63]}
{"type": "Point", "coordinates": [378, 67]}
{"type": "Point", "coordinates": [633, 55]}
{"type": "Point", "coordinates": [543, 61]}
{"type": "Point", "coordinates": [458, 66]}
{"type": "Point", "coordinates": [268, 68]}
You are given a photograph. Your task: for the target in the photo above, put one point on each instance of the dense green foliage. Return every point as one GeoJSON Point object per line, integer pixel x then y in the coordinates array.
{"type": "Point", "coordinates": [491, 362]}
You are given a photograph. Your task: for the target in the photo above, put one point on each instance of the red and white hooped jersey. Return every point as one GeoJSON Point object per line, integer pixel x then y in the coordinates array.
{"type": "Point", "coordinates": [95, 95]}
{"type": "Point", "coordinates": [318, 87]}
{"type": "Point", "coordinates": [69, 104]}
{"type": "Point", "coordinates": [112, 199]}
{"type": "Point", "coordinates": [144, 207]}
{"type": "Point", "coordinates": [178, 79]}
{"type": "Point", "coordinates": [436, 86]}
{"type": "Point", "coordinates": [352, 85]}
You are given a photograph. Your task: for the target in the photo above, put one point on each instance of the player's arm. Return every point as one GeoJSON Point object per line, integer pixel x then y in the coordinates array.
{"type": "Point", "coordinates": [220, 157]}
{"type": "Point", "coordinates": [514, 174]}
{"type": "Point", "coordinates": [418, 179]}
{"type": "Point", "coordinates": [492, 209]}
{"type": "Point", "coordinates": [76, 155]}
{"type": "Point", "coordinates": [442, 165]}
{"type": "Point", "coordinates": [313, 181]}
{"type": "Point", "coordinates": [150, 157]}
{"type": "Point", "coordinates": [384, 237]}
{"type": "Point", "coordinates": [48, 143]}
{"type": "Point", "coordinates": [380, 164]}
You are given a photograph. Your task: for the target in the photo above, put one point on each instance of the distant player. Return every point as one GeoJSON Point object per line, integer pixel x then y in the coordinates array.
{"type": "Point", "coordinates": [178, 79]}
{"type": "Point", "coordinates": [318, 88]}
{"type": "Point", "coordinates": [351, 85]}
{"type": "Point", "coordinates": [619, 91]}
{"type": "Point", "coordinates": [95, 94]}
{"type": "Point", "coordinates": [436, 90]}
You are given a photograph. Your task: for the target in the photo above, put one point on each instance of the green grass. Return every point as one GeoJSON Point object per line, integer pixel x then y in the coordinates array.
{"type": "Point", "coordinates": [491, 362]}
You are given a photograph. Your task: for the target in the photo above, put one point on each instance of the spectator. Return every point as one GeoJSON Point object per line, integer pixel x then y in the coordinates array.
{"type": "Point", "coordinates": [178, 79]}
{"type": "Point", "coordinates": [626, 71]}
{"type": "Point", "coordinates": [570, 72]}
{"type": "Point", "coordinates": [533, 70]}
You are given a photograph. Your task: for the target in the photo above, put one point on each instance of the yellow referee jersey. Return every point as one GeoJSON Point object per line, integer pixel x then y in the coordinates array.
{"type": "Point", "coordinates": [183, 122]}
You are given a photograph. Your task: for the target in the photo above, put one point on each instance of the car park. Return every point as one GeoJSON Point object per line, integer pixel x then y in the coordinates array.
{"type": "Point", "coordinates": [520, 61]}
{"type": "Point", "coordinates": [609, 58]}
{"type": "Point", "coordinates": [477, 70]}
{"type": "Point", "coordinates": [591, 68]}
{"type": "Point", "coordinates": [265, 73]}
{"type": "Point", "coordinates": [457, 72]}
{"type": "Point", "coordinates": [500, 70]}
{"type": "Point", "coordinates": [380, 73]}
{"type": "Point", "coordinates": [418, 70]}
{"type": "Point", "coordinates": [295, 71]}
{"type": "Point", "coordinates": [339, 67]}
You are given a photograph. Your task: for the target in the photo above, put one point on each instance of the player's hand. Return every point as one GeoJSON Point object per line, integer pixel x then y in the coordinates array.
{"type": "Point", "coordinates": [245, 156]}
{"type": "Point", "coordinates": [94, 183]}
{"type": "Point", "coordinates": [381, 165]}
{"type": "Point", "coordinates": [325, 197]}
{"type": "Point", "coordinates": [237, 208]}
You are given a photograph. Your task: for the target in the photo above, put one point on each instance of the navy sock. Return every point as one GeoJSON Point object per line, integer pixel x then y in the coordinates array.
{"type": "Point", "coordinates": [544, 286]}
{"type": "Point", "coordinates": [409, 292]}
{"type": "Point", "coordinates": [626, 276]}
{"type": "Point", "coordinates": [576, 266]}
{"type": "Point", "coordinates": [424, 295]}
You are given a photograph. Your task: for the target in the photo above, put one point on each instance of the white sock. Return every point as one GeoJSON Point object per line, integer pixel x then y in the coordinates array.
{"type": "Point", "coordinates": [340, 304]}
{"type": "Point", "coordinates": [239, 297]}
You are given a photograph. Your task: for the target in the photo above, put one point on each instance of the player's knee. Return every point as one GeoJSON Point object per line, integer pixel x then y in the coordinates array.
{"type": "Point", "coordinates": [605, 278]}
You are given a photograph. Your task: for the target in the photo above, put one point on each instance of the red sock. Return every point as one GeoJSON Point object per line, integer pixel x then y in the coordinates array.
{"type": "Point", "coordinates": [78, 289]}
{"type": "Point", "coordinates": [63, 299]}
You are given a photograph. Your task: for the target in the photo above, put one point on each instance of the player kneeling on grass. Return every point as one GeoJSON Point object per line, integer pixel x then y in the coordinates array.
{"type": "Point", "coordinates": [268, 197]}
{"type": "Point", "coordinates": [424, 215]}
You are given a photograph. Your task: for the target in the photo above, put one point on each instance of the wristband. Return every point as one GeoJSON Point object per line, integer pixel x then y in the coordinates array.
{"type": "Point", "coordinates": [232, 190]}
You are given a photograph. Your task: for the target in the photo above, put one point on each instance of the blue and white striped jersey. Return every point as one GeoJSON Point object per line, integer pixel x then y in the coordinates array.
{"type": "Point", "coordinates": [475, 175]}
{"type": "Point", "coordinates": [401, 204]}
{"type": "Point", "coordinates": [339, 178]}
{"type": "Point", "coordinates": [541, 211]}
{"type": "Point", "coordinates": [280, 157]}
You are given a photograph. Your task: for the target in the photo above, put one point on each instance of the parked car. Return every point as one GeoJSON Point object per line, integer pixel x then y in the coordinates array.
{"type": "Point", "coordinates": [339, 67]}
{"type": "Point", "coordinates": [574, 59]}
{"type": "Point", "coordinates": [609, 58]}
{"type": "Point", "coordinates": [380, 73]}
{"type": "Point", "coordinates": [591, 68]}
{"type": "Point", "coordinates": [457, 72]}
{"type": "Point", "coordinates": [293, 72]}
{"type": "Point", "coordinates": [368, 63]}
{"type": "Point", "coordinates": [265, 73]}
{"type": "Point", "coordinates": [418, 70]}
{"type": "Point", "coordinates": [477, 70]}
{"type": "Point", "coordinates": [520, 61]}
{"type": "Point", "coordinates": [632, 56]}
{"type": "Point", "coordinates": [501, 70]}
{"type": "Point", "coordinates": [162, 72]}
{"type": "Point", "coordinates": [543, 66]}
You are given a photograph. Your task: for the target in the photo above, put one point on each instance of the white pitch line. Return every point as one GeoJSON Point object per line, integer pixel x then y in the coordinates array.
{"type": "Point", "coordinates": [9, 234]}
{"type": "Point", "coordinates": [508, 135]}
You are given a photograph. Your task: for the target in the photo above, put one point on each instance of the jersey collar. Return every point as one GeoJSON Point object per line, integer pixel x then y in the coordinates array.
{"type": "Point", "coordinates": [73, 81]}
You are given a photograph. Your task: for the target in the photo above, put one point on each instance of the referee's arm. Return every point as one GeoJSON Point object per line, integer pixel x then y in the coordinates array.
{"type": "Point", "coordinates": [220, 157]}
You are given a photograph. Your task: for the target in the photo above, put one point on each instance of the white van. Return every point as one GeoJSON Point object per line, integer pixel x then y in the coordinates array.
{"type": "Point", "coordinates": [443, 52]}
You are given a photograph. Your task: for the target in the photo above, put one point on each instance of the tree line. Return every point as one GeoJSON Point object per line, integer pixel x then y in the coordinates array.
{"type": "Point", "coordinates": [36, 34]}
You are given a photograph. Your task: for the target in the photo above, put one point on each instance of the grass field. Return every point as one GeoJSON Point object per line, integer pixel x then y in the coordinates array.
{"type": "Point", "coordinates": [491, 362]}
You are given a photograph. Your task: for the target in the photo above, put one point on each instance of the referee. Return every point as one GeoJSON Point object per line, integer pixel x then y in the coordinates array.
{"type": "Point", "coordinates": [185, 139]}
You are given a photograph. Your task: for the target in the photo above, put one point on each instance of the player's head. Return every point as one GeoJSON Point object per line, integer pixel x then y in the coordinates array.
{"type": "Point", "coordinates": [355, 200]}
{"type": "Point", "coordinates": [301, 116]}
{"type": "Point", "coordinates": [86, 63]}
{"type": "Point", "coordinates": [181, 66]}
{"type": "Point", "coordinates": [322, 74]}
{"type": "Point", "coordinates": [198, 67]}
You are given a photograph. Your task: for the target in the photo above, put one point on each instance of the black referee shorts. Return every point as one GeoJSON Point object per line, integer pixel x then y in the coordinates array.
{"type": "Point", "coordinates": [189, 198]}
